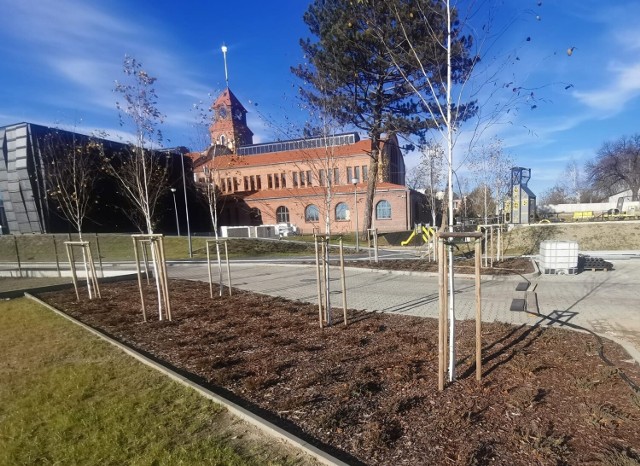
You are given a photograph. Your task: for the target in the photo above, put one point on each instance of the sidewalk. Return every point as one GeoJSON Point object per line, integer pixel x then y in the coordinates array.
{"type": "Point", "coordinates": [607, 303]}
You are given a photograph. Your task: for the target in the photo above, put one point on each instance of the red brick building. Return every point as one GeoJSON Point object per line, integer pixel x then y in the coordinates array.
{"type": "Point", "coordinates": [301, 182]}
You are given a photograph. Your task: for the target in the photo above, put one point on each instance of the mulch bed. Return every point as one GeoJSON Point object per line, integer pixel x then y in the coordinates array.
{"type": "Point", "coordinates": [509, 266]}
{"type": "Point", "coordinates": [369, 390]}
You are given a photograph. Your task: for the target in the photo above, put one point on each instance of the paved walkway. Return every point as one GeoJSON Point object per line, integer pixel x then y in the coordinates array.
{"type": "Point", "coordinates": [607, 303]}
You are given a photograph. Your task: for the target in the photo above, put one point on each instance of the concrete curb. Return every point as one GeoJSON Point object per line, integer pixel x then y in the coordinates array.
{"type": "Point", "coordinates": [244, 414]}
{"type": "Point", "coordinates": [62, 286]}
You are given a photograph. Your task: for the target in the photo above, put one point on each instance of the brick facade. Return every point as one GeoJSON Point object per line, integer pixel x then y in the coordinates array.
{"type": "Point", "coordinates": [298, 181]}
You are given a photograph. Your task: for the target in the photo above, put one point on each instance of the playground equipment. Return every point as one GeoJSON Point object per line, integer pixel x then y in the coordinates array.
{"type": "Point", "coordinates": [520, 208]}
{"type": "Point", "coordinates": [427, 234]}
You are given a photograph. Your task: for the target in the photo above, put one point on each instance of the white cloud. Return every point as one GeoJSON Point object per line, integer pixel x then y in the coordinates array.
{"type": "Point", "coordinates": [622, 88]}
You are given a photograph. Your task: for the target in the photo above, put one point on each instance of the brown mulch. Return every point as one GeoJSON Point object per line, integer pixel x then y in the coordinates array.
{"type": "Point", "coordinates": [369, 390]}
{"type": "Point", "coordinates": [509, 266]}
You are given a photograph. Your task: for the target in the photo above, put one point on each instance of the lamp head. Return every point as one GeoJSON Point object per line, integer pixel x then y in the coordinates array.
{"type": "Point", "coordinates": [354, 181]}
{"type": "Point", "coordinates": [173, 190]}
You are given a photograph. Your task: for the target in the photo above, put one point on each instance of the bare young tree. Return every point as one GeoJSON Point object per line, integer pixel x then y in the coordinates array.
{"type": "Point", "coordinates": [557, 194]}
{"type": "Point", "coordinates": [432, 164]}
{"type": "Point", "coordinates": [323, 165]}
{"type": "Point", "coordinates": [140, 173]}
{"type": "Point", "coordinates": [492, 168]}
{"type": "Point", "coordinates": [319, 124]}
{"type": "Point", "coordinates": [572, 179]}
{"type": "Point", "coordinates": [351, 75]}
{"type": "Point", "coordinates": [72, 167]}
{"type": "Point", "coordinates": [457, 76]}
{"type": "Point", "coordinates": [616, 166]}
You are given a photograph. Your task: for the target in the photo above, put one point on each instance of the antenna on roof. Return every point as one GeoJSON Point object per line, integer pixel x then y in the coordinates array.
{"type": "Point", "coordinates": [224, 55]}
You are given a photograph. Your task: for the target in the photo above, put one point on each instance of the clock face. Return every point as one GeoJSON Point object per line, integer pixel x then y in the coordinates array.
{"type": "Point", "coordinates": [237, 114]}
{"type": "Point", "coordinates": [223, 113]}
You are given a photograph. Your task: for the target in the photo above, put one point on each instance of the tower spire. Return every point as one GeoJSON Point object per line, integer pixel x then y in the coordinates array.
{"type": "Point", "coordinates": [224, 55]}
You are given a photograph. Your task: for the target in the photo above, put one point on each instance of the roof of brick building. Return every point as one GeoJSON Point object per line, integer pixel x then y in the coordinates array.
{"type": "Point", "coordinates": [222, 162]}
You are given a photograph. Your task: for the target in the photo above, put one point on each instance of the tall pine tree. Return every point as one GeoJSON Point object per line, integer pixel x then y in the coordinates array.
{"type": "Point", "coordinates": [350, 75]}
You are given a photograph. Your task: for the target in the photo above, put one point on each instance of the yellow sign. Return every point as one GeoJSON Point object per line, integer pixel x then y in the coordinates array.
{"type": "Point", "coordinates": [524, 203]}
{"type": "Point", "coordinates": [515, 189]}
{"type": "Point", "coordinates": [516, 205]}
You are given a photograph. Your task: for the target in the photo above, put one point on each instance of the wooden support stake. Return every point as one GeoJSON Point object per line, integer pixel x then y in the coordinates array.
{"type": "Point", "coordinates": [94, 275]}
{"type": "Point", "coordinates": [478, 315]}
{"type": "Point", "coordinates": [226, 256]}
{"type": "Point", "coordinates": [491, 245]}
{"type": "Point", "coordinates": [72, 266]}
{"type": "Point", "coordinates": [89, 268]}
{"type": "Point", "coordinates": [164, 280]}
{"type": "Point", "coordinates": [219, 268]}
{"type": "Point", "coordinates": [327, 282]}
{"type": "Point", "coordinates": [137, 257]}
{"type": "Point", "coordinates": [209, 270]}
{"type": "Point", "coordinates": [15, 243]}
{"type": "Point", "coordinates": [99, 255]}
{"type": "Point", "coordinates": [446, 264]}
{"type": "Point", "coordinates": [344, 284]}
{"type": "Point", "coordinates": [315, 238]}
{"type": "Point", "coordinates": [323, 280]}
{"type": "Point", "coordinates": [55, 251]}
{"type": "Point", "coordinates": [441, 316]}
{"type": "Point", "coordinates": [145, 258]}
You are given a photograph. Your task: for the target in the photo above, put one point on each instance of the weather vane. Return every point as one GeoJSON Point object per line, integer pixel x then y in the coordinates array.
{"type": "Point", "coordinates": [224, 55]}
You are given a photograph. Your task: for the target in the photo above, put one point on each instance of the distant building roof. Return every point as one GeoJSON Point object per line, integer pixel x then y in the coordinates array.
{"type": "Point", "coordinates": [297, 144]}
{"type": "Point", "coordinates": [222, 162]}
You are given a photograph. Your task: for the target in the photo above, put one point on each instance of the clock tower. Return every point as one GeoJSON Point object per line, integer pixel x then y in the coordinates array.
{"type": "Point", "coordinates": [229, 127]}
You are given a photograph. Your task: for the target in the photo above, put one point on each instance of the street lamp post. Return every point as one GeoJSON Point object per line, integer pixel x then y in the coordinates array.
{"type": "Point", "coordinates": [355, 210]}
{"type": "Point", "coordinates": [186, 205]}
{"type": "Point", "coordinates": [175, 209]}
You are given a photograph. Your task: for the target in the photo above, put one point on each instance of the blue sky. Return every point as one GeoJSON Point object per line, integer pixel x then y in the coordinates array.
{"type": "Point", "coordinates": [60, 59]}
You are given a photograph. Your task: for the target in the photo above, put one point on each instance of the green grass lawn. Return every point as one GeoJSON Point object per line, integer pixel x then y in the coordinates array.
{"type": "Point", "coordinates": [67, 397]}
{"type": "Point", "coordinates": [116, 247]}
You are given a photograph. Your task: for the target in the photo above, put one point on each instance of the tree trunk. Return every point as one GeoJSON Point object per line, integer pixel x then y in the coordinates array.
{"type": "Point", "coordinates": [374, 167]}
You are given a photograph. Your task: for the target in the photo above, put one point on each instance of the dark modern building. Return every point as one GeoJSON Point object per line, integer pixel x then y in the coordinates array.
{"type": "Point", "coordinates": [24, 204]}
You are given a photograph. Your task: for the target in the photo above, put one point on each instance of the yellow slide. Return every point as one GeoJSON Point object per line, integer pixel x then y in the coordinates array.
{"type": "Point", "coordinates": [427, 233]}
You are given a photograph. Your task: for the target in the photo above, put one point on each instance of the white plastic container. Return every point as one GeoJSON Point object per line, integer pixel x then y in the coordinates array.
{"type": "Point", "coordinates": [559, 257]}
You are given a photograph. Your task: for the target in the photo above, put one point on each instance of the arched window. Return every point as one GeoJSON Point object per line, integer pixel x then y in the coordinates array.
{"type": "Point", "coordinates": [311, 213]}
{"type": "Point", "coordinates": [282, 214]}
{"type": "Point", "coordinates": [223, 140]}
{"type": "Point", "coordinates": [383, 210]}
{"type": "Point", "coordinates": [342, 211]}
